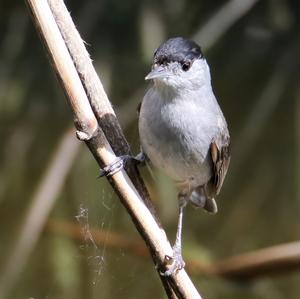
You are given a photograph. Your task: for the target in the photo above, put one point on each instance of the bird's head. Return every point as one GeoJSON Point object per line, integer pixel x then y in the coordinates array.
{"type": "Point", "coordinates": [179, 63]}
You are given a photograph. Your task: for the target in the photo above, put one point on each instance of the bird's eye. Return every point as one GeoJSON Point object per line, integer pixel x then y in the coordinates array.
{"type": "Point", "coordinates": [186, 65]}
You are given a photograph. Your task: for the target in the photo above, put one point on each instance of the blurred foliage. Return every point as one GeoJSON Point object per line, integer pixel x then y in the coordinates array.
{"type": "Point", "coordinates": [255, 74]}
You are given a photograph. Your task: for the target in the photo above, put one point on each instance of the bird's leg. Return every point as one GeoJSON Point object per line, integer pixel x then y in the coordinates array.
{"type": "Point", "coordinates": [176, 260]}
{"type": "Point", "coordinates": [140, 159]}
{"type": "Point", "coordinates": [120, 163]}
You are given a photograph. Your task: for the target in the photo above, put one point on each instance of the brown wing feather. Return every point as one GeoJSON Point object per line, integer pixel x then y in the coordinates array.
{"type": "Point", "coordinates": [220, 156]}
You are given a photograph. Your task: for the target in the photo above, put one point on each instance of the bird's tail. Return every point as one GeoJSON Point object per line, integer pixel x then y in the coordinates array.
{"type": "Point", "coordinates": [201, 200]}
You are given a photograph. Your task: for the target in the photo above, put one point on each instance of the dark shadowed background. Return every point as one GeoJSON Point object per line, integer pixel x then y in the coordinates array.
{"type": "Point", "coordinates": [49, 245]}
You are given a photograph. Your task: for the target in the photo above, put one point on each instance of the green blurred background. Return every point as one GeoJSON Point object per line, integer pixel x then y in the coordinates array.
{"type": "Point", "coordinates": [253, 49]}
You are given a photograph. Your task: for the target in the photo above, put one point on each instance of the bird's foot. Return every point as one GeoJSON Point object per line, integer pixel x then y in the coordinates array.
{"type": "Point", "coordinates": [173, 263]}
{"type": "Point", "coordinates": [114, 167]}
{"type": "Point", "coordinates": [120, 163]}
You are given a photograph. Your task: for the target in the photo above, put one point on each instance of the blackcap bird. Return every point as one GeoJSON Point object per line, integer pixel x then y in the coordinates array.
{"type": "Point", "coordinates": [182, 129]}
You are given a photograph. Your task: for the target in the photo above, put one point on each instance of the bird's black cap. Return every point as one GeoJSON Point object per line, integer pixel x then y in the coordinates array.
{"type": "Point", "coordinates": [177, 49]}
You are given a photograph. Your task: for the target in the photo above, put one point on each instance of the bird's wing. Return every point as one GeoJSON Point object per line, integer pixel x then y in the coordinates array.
{"type": "Point", "coordinates": [220, 156]}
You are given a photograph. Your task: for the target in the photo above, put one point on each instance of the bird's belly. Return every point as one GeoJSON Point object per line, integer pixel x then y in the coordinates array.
{"type": "Point", "coordinates": [177, 154]}
{"type": "Point", "coordinates": [181, 170]}
{"type": "Point", "coordinates": [176, 134]}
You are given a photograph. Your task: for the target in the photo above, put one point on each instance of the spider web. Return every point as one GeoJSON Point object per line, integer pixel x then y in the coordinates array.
{"type": "Point", "coordinates": [94, 251]}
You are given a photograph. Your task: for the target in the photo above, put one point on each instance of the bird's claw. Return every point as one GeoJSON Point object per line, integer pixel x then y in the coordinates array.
{"type": "Point", "coordinates": [173, 264]}
{"type": "Point", "coordinates": [120, 163]}
{"type": "Point", "coordinates": [140, 159]}
{"type": "Point", "coordinates": [114, 167]}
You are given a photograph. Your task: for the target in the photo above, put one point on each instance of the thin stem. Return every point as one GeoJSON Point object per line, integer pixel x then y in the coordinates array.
{"type": "Point", "coordinates": [274, 260]}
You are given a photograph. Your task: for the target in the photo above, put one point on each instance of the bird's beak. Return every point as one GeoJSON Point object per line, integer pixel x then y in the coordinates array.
{"type": "Point", "coordinates": [158, 72]}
